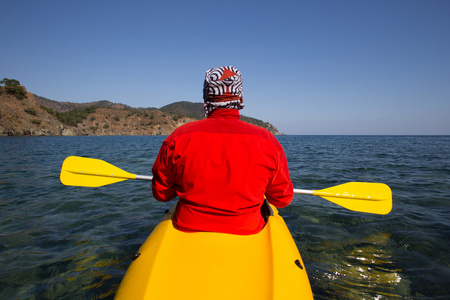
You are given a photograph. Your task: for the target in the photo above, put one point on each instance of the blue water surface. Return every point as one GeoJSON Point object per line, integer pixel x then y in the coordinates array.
{"type": "Point", "coordinates": [62, 242]}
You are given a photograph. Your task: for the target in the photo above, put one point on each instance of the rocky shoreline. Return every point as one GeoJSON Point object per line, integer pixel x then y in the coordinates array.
{"type": "Point", "coordinates": [37, 116]}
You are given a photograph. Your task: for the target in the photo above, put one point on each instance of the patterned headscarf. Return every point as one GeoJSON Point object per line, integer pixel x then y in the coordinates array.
{"type": "Point", "coordinates": [222, 89]}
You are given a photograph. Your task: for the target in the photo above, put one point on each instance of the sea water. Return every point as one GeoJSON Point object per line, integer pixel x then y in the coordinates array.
{"type": "Point", "coordinates": [61, 242]}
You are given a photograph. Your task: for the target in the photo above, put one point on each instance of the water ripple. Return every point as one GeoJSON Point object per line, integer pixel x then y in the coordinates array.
{"type": "Point", "coordinates": [59, 242]}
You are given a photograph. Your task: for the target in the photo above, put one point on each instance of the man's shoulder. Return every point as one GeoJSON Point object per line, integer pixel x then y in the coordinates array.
{"type": "Point", "coordinates": [191, 126]}
{"type": "Point", "coordinates": [256, 130]}
{"type": "Point", "coordinates": [194, 126]}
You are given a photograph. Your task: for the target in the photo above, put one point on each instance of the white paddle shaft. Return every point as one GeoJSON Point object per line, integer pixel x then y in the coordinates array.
{"type": "Point", "coordinates": [303, 192]}
{"type": "Point", "coordinates": [144, 177]}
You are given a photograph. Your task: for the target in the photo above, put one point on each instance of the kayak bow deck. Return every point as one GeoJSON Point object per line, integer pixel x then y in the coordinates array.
{"type": "Point", "coordinates": [205, 265]}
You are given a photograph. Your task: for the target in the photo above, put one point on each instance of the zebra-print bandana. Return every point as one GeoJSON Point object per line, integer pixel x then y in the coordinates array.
{"type": "Point", "coordinates": [222, 89]}
{"type": "Point", "coordinates": [212, 106]}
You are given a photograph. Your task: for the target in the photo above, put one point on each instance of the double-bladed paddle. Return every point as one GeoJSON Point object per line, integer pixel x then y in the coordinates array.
{"type": "Point", "coordinates": [375, 198]}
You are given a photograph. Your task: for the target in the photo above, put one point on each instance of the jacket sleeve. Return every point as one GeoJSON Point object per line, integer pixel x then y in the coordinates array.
{"type": "Point", "coordinates": [280, 190]}
{"type": "Point", "coordinates": [163, 183]}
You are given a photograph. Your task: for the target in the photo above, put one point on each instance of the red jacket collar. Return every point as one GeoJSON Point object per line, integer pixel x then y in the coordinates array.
{"type": "Point", "coordinates": [225, 113]}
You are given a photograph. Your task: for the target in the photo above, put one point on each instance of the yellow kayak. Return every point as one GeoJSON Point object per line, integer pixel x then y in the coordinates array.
{"type": "Point", "coordinates": [205, 265]}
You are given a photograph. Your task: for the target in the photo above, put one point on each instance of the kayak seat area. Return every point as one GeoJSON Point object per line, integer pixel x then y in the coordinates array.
{"type": "Point", "coordinates": [266, 211]}
{"type": "Point", "coordinates": [207, 265]}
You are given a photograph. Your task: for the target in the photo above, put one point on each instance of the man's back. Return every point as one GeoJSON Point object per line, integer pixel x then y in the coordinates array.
{"type": "Point", "coordinates": [221, 168]}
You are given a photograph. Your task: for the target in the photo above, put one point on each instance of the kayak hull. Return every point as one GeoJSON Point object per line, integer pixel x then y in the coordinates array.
{"type": "Point", "coordinates": [204, 265]}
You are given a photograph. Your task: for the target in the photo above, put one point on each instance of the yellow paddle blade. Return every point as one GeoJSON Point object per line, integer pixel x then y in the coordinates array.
{"type": "Point", "coordinates": [375, 198]}
{"type": "Point", "coordinates": [90, 172]}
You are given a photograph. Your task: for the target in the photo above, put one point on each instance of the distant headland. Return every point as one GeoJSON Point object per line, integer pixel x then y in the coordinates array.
{"type": "Point", "coordinates": [25, 114]}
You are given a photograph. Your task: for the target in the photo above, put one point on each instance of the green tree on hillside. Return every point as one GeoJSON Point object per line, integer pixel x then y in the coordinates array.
{"type": "Point", "coordinates": [75, 116]}
{"type": "Point", "coordinates": [13, 87]}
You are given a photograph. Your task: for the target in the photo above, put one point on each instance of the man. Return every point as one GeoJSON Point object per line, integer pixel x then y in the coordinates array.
{"type": "Point", "coordinates": [221, 167]}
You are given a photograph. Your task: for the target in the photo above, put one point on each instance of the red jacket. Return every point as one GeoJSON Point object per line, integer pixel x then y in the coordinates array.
{"type": "Point", "coordinates": [221, 168]}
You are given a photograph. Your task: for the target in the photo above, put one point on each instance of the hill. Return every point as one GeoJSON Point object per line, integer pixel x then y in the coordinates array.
{"type": "Point", "coordinates": [33, 115]}
{"type": "Point", "coordinates": [185, 108]}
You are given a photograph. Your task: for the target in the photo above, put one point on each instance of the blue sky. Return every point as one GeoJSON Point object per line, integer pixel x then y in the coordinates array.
{"type": "Point", "coordinates": [309, 67]}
